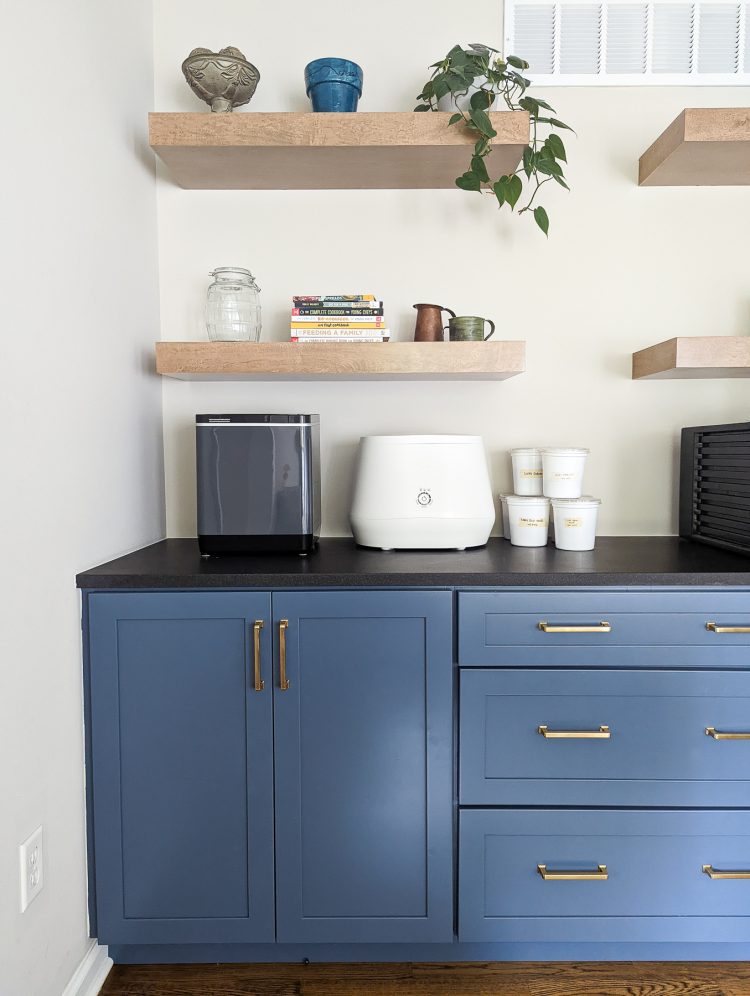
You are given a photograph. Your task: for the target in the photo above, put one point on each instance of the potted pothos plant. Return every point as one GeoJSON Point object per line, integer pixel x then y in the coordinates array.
{"type": "Point", "coordinates": [474, 79]}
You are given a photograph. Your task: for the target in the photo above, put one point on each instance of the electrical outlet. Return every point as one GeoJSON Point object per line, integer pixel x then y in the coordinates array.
{"type": "Point", "coordinates": [32, 868]}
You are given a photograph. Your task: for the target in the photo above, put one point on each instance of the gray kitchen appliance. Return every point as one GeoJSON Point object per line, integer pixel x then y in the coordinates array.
{"type": "Point", "coordinates": [258, 480]}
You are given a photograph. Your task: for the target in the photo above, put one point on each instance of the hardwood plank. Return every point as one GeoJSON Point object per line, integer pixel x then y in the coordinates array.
{"type": "Point", "coordinates": [347, 361]}
{"type": "Point", "coordinates": [704, 146]}
{"type": "Point", "coordinates": [460, 979]}
{"type": "Point", "coordinates": [307, 151]}
{"type": "Point", "coordinates": [694, 357]}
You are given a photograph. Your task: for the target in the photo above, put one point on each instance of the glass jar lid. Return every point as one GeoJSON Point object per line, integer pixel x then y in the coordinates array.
{"type": "Point", "coordinates": [225, 271]}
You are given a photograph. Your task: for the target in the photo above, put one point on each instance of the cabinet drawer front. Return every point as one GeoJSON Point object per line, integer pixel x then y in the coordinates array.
{"type": "Point", "coordinates": [649, 744]}
{"type": "Point", "coordinates": [604, 628]}
{"type": "Point", "coordinates": [653, 862]}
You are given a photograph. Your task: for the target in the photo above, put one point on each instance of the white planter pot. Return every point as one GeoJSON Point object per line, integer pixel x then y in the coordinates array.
{"type": "Point", "coordinates": [461, 102]}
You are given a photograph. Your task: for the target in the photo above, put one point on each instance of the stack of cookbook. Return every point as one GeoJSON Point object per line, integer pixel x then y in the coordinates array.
{"type": "Point", "coordinates": [338, 318]}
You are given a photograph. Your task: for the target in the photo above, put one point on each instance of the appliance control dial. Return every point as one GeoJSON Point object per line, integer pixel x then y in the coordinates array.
{"type": "Point", "coordinates": [424, 498]}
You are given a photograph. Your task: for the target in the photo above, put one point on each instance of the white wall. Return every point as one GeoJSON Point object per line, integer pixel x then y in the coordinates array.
{"type": "Point", "coordinates": [624, 267]}
{"type": "Point", "coordinates": [82, 476]}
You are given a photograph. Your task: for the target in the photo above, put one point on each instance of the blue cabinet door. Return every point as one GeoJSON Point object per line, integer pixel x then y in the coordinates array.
{"type": "Point", "coordinates": [362, 747]}
{"type": "Point", "coordinates": [182, 767]}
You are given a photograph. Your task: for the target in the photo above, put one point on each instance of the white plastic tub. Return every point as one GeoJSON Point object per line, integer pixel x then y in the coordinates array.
{"type": "Point", "coordinates": [504, 522]}
{"type": "Point", "coordinates": [562, 471]}
{"type": "Point", "coordinates": [527, 471]}
{"type": "Point", "coordinates": [575, 522]}
{"type": "Point", "coordinates": [528, 518]}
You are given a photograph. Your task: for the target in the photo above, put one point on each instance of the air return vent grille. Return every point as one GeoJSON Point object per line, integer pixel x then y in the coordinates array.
{"type": "Point", "coordinates": [620, 42]}
{"type": "Point", "coordinates": [715, 485]}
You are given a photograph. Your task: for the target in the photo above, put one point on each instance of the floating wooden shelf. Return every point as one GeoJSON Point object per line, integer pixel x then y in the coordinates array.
{"type": "Point", "coordinates": [703, 147]}
{"type": "Point", "coordinates": [694, 357]}
{"type": "Point", "coordinates": [307, 151]}
{"type": "Point", "coordinates": [341, 361]}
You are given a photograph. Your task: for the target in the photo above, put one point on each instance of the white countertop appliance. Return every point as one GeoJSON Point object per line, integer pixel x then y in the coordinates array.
{"type": "Point", "coordinates": [422, 493]}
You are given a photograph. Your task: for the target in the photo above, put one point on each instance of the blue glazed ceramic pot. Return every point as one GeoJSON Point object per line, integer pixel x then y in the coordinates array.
{"type": "Point", "coordinates": [333, 84]}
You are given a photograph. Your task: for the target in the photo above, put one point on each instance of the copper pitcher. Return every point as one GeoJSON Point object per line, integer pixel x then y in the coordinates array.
{"type": "Point", "coordinates": [429, 327]}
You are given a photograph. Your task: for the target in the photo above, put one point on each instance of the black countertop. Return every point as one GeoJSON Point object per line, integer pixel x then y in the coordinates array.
{"type": "Point", "coordinates": [617, 560]}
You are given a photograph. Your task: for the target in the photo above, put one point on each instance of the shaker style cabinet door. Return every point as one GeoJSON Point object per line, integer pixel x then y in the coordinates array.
{"type": "Point", "coordinates": [182, 767]}
{"type": "Point", "coordinates": [363, 769]}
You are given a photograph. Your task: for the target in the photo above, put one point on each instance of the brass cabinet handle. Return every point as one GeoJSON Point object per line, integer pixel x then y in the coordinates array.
{"type": "Point", "coordinates": [716, 873]}
{"type": "Point", "coordinates": [603, 733]}
{"type": "Point", "coordinates": [600, 875]}
{"type": "Point", "coordinates": [258, 683]}
{"type": "Point", "coordinates": [713, 627]}
{"type": "Point", "coordinates": [602, 627]}
{"type": "Point", "coordinates": [718, 735]}
{"type": "Point", "coordinates": [283, 680]}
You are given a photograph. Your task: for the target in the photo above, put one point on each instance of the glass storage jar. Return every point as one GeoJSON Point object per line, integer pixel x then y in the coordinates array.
{"type": "Point", "coordinates": [233, 306]}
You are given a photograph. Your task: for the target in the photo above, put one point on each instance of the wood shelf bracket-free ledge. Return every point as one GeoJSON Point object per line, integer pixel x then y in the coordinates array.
{"type": "Point", "coordinates": [703, 147]}
{"type": "Point", "coordinates": [341, 361]}
{"type": "Point", "coordinates": [253, 150]}
{"type": "Point", "coordinates": [693, 357]}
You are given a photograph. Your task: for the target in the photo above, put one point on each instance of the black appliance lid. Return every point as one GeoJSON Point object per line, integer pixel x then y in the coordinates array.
{"type": "Point", "coordinates": [256, 419]}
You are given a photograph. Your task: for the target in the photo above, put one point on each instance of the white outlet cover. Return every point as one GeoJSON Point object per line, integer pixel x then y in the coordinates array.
{"type": "Point", "coordinates": [31, 856]}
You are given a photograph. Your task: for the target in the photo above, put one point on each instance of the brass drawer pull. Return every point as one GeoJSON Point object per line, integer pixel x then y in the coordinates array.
{"type": "Point", "coordinates": [713, 627]}
{"type": "Point", "coordinates": [602, 627]}
{"type": "Point", "coordinates": [283, 680]}
{"type": "Point", "coordinates": [258, 683]}
{"type": "Point", "coordinates": [718, 735]}
{"type": "Point", "coordinates": [600, 875]}
{"type": "Point", "coordinates": [603, 733]}
{"type": "Point", "coordinates": [715, 873]}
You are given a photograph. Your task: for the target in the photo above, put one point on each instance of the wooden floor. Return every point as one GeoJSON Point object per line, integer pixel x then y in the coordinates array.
{"type": "Point", "coordinates": [475, 979]}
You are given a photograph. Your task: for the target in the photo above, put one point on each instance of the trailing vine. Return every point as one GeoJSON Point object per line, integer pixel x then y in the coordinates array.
{"type": "Point", "coordinates": [481, 71]}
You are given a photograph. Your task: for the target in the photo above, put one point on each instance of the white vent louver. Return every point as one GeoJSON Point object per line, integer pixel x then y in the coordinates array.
{"type": "Point", "coordinates": [621, 42]}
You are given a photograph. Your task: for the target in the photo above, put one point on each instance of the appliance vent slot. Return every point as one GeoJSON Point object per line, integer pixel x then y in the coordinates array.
{"type": "Point", "coordinates": [621, 42]}
{"type": "Point", "coordinates": [715, 486]}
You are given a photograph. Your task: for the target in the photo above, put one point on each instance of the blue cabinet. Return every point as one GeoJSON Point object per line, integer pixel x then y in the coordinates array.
{"type": "Point", "coordinates": [364, 768]}
{"type": "Point", "coordinates": [184, 749]}
{"type": "Point", "coordinates": [271, 771]}
{"type": "Point", "coordinates": [182, 767]}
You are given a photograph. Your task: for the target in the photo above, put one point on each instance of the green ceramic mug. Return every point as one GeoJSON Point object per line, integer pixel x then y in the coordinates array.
{"type": "Point", "coordinates": [469, 328]}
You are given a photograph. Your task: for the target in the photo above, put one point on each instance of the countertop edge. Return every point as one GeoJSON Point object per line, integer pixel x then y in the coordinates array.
{"type": "Point", "coordinates": [87, 582]}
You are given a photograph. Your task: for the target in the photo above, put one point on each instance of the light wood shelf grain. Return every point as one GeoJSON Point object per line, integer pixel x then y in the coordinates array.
{"type": "Point", "coordinates": [307, 151]}
{"type": "Point", "coordinates": [703, 147]}
{"type": "Point", "coordinates": [341, 361]}
{"type": "Point", "coordinates": [705, 356]}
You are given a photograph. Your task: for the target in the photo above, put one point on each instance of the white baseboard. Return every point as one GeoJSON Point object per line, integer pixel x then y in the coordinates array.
{"type": "Point", "coordinates": [88, 978]}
